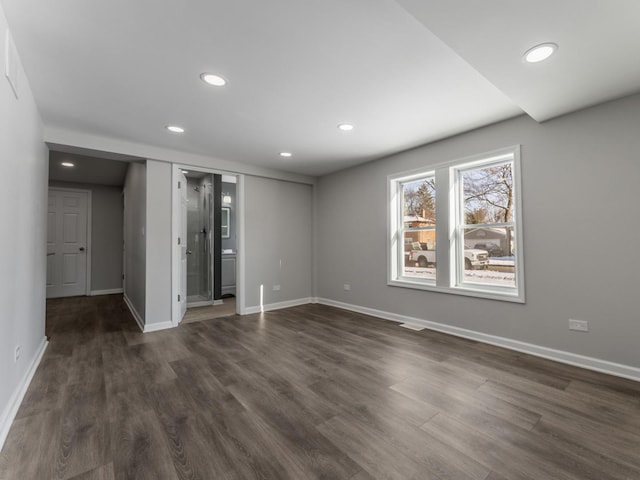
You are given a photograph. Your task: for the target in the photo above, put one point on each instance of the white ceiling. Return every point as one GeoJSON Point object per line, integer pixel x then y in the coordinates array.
{"type": "Point", "coordinates": [405, 72]}
{"type": "Point", "coordinates": [87, 169]}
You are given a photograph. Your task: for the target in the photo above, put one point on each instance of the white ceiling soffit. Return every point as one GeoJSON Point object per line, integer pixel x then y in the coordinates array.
{"type": "Point", "coordinates": [94, 170]}
{"type": "Point", "coordinates": [598, 58]}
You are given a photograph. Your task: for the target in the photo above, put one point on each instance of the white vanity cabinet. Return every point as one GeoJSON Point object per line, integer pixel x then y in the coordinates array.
{"type": "Point", "coordinates": [228, 273]}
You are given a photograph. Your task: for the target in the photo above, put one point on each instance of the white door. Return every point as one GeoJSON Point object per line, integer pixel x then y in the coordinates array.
{"type": "Point", "coordinates": [67, 243]}
{"type": "Point", "coordinates": [183, 245]}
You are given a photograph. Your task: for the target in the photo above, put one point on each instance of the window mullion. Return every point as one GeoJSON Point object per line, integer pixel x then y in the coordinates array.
{"type": "Point", "coordinates": [443, 233]}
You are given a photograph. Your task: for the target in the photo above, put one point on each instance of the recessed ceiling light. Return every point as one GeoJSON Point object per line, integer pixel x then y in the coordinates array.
{"type": "Point", "coordinates": [175, 129]}
{"type": "Point", "coordinates": [540, 52]}
{"type": "Point", "coordinates": [285, 154]}
{"type": "Point", "coordinates": [212, 79]}
{"type": "Point", "coordinates": [68, 164]}
{"type": "Point", "coordinates": [345, 127]}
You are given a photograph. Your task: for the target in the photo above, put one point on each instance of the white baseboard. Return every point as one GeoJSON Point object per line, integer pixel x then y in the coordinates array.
{"type": "Point", "coordinates": [277, 305]}
{"type": "Point", "coordinates": [227, 290]}
{"type": "Point", "coordinates": [154, 327]}
{"type": "Point", "coordinates": [205, 303]}
{"type": "Point", "coordinates": [589, 363]}
{"type": "Point", "coordinates": [11, 410]}
{"type": "Point", "coordinates": [106, 292]}
{"type": "Point", "coordinates": [134, 312]}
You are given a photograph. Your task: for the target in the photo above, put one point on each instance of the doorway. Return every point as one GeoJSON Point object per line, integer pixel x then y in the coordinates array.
{"type": "Point", "coordinates": [200, 264]}
{"type": "Point", "coordinates": [205, 221]}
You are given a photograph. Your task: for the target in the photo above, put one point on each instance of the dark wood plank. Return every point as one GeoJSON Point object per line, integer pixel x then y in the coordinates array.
{"type": "Point", "coordinates": [295, 429]}
{"type": "Point", "coordinates": [85, 441]}
{"type": "Point", "coordinates": [431, 454]}
{"type": "Point", "coordinates": [30, 449]}
{"type": "Point", "coordinates": [104, 472]}
{"type": "Point", "coordinates": [505, 459]}
{"type": "Point", "coordinates": [140, 448]}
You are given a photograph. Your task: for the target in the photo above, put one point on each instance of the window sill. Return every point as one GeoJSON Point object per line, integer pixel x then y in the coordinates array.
{"type": "Point", "coordinates": [467, 291]}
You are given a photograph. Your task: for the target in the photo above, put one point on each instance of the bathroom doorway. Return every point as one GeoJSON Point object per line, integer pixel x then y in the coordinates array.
{"type": "Point", "coordinates": [206, 224]}
{"type": "Point", "coordinates": [200, 264]}
{"type": "Point", "coordinates": [211, 241]}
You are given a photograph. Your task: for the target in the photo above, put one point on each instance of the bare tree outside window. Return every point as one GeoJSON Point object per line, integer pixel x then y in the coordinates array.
{"type": "Point", "coordinates": [420, 198]}
{"type": "Point", "coordinates": [488, 194]}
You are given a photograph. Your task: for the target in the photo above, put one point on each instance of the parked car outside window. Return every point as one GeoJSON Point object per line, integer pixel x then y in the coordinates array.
{"type": "Point", "coordinates": [493, 249]}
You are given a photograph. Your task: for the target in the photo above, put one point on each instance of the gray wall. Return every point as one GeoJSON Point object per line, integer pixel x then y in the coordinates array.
{"type": "Point", "coordinates": [23, 210]}
{"type": "Point", "coordinates": [106, 234]}
{"type": "Point", "coordinates": [135, 200]}
{"type": "Point", "coordinates": [580, 176]}
{"type": "Point", "coordinates": [278, 240]}
{"type": "Point", "coordinates": [158, 258]}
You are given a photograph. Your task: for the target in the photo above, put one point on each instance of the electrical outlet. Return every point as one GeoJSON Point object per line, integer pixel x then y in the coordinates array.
{"type": "Point", "coordinates": [578, 325]}
{"type": "Point", "coordinates": [276, 288]}
{"type": "Point", "coordinates": [17, 353]}
{"type": "Point", "coordinates": [347, 287]}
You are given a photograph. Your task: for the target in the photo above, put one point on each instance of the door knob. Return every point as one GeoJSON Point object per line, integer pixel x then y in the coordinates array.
{"type": "Point", "coordinates": [82, 249]}
{"type": "Point", "coordinates": [189, 252]}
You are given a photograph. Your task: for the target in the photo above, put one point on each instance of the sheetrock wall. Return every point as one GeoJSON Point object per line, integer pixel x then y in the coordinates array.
{"type": "Point", "coordinates": [580, 177]}
{"type": "Point", "coordinates": [278, 243]}
{"type": "Point", "coordinates": [158, 244]}
{"type": "Point", "coordinates": [23, 211]}
{"type": "Point", "coordinates": [135, 248]}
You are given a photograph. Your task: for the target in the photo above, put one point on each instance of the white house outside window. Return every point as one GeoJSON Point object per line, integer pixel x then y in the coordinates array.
{"type": "Point", "coordinates": [477, 247]}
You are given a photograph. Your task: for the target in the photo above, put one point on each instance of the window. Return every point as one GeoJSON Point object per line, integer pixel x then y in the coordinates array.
{"type": "Point", "coordinates": [477, 247]}
{"type": "Point", "coordinates": [418, 228]}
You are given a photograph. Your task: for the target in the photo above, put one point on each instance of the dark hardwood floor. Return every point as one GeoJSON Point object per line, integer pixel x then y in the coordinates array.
{"type": "Point", "coordinates": [308, 392]}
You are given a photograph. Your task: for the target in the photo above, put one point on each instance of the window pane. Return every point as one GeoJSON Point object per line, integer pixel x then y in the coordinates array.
{"type": "Point", "coordinates": [488, 194]}
{"type": "Point", "coordinates": [489, 256]}
{"type": "Point", "coordinates": [419, 203]}
{"type": "Point", "coordinates": [419, 253]}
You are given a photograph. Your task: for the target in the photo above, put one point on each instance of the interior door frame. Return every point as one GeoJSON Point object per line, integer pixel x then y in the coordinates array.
{"type": "Point", "coordinates": [89, 249]}
{"type": "Point", "coordinates": [175, 233]}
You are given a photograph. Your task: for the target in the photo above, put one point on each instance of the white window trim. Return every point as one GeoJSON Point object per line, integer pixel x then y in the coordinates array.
{"type": "Point", "coordinates": [447, 209]}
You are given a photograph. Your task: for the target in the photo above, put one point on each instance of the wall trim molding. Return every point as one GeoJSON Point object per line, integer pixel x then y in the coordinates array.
{"type": "Point", "coordinates": [134, 312]}
{"type": "Point", "coordinates": [154, 327]}
{"type": "Point", "coordinates": [111, 291]}
{"type": "Point", "coordinates": [278, 305]}
{"type": "Point", "coordinates": [9, 414]}
{"type": "Point", "coordinates": [574, 359]}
